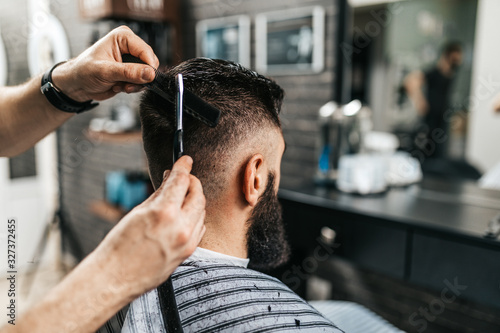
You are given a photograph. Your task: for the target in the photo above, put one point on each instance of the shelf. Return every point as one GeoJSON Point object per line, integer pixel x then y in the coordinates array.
{"type": "Point", "coordinates": [106, 211]}
{"type": "Point", "coordinates": [126, 137]}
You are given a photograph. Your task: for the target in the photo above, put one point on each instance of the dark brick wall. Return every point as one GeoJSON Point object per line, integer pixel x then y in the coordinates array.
{"type": "Point", "coordinates": [305, 94]}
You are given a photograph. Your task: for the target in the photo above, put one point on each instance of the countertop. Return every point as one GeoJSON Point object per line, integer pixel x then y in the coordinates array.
{"type": "Point", "coordinates": [455, 207]}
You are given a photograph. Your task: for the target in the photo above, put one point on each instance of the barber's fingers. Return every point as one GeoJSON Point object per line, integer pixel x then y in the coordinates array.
{"type": "Point", "coordinates": [123, 40]}
{"type": "Point", "coordinates": [197, 234]}
{"type": "Point", "coordinates": [127, 87]}
{"type": "Point", "coordinates": [194, 218]}
{"type": "Point", "coordinates": [128, 42]}
{"type": "Point", "coordinates": [132, 88]}
{"type": "Point", "coordinates": [168, 190]}
{"type": "Point", "coordinates": [153, 196]}
{"type": "Point", "coordinates": [195, 199]}
{"type": "Point", "coordinates": [128, 72]}
{"type": "Point", "coordinates": [174, 189]}
{"type": "Point", "coordinates": [194, 204]}
{"type": "Point", "coordinates": [185, 163]}
{"type": "Point", "coordinates": [104, 95]}
{"type": "Point", "coordinates": [202, 231]}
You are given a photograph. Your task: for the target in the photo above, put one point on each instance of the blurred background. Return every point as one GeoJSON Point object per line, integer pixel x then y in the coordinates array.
{"type": "Point", "coordinates": [391, 118]}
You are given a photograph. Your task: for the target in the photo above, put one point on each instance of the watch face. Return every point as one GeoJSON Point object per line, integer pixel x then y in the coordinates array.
{"type": "Point", "coordinates": [48, 46]}
{"type": "Point", "coordinates": [3, 64]}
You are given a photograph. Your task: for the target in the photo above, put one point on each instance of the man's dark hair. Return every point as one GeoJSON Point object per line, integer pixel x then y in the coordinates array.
{"type": "Point", "coordinates": [451, 47]}
{"type": "Point", "coordinates": [248, 103]}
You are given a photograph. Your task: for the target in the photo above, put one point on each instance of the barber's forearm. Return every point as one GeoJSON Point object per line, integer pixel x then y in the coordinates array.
{"type": "Point", "coordinates": [26, 117]}
{"type": "Point", "coordinates": [155, 237]}
{"type": "Point", "coordinates": [82, 302]}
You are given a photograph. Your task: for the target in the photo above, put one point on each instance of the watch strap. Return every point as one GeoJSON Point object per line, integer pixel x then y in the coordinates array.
{"type": "Point", "coordinates": [60, 100]}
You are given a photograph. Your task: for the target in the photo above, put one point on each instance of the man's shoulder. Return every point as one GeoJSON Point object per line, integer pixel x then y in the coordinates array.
{"type": "Point", "coordinates": [226, 297]}
{"type": "Point", "coordinates": [216, 297]}
{"type": "Point", "coordinates": [196, 275]}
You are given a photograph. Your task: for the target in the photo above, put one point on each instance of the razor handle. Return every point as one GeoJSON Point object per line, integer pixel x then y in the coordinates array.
{"type": "Point", "coordinates": [178, 145]}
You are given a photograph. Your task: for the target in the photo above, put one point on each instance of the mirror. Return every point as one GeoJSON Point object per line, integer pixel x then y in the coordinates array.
{"type": "Point", "coordinates": [421, 66]}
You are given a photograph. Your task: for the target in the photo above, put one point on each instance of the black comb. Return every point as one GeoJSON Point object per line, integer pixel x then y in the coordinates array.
{"type": "Point", "coordinates": [194, 105]}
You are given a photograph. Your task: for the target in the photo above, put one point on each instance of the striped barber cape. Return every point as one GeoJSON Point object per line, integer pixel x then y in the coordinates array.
{"type": "Point", "coordinates": [223, 297]}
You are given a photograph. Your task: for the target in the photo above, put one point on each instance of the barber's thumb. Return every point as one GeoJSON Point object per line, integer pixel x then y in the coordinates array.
{"type": "Point", "coordinates": [132, 73]}
{"type": "Point", "coordinates": [185, 161]}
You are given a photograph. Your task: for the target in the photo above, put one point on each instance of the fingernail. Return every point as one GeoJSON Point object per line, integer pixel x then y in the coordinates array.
{"type": "Point", "coordinates": [117, 89]}
{"type": "Point", "coordinates": [165, 173]}
{"type": "Point", "coordinates": [133, 89]}
{"type": "Point", "coordinates": [146, 74]}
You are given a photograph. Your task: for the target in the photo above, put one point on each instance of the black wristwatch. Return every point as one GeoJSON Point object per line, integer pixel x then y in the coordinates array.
{"type": "Point", "coordinates": [57, 98]}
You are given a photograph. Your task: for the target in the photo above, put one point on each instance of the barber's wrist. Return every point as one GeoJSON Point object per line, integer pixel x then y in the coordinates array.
{"type": "Point", "coordinates": [114, 275]}
{"type": "Point", "coordinates": [64, 78]}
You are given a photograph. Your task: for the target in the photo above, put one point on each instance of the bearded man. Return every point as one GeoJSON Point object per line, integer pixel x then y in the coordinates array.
{"type": "Point", "coordinates": [238, 164]}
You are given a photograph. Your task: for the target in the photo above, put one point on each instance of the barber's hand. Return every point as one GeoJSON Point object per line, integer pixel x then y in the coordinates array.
{"type": "Point", "coordinates": [98, 73]}
{"type": "Point", "coordinates": [150, 242]}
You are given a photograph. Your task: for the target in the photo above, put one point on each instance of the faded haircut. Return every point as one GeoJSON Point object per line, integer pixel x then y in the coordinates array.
{"type": "Point", "coordinates": [248, 103]}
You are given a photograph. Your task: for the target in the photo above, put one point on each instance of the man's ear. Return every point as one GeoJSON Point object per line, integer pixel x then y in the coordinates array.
{"type": "Point", "coordinates": [253, 179]}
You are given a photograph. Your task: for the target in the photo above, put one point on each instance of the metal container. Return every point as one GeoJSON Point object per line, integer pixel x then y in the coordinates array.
{"type": "Point", "coordinates": [341, 130]}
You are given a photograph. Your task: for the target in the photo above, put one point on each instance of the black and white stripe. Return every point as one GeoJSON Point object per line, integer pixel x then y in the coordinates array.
{"type": "Point", "coordinates": [215, 297]}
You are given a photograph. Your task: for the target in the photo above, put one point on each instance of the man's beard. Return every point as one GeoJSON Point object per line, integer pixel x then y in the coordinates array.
{"type": "Point", "coordinates": [267, 244]}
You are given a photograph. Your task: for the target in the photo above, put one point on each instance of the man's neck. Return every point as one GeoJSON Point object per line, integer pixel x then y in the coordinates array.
{"type": "Point", "coordinates": [226, 230]}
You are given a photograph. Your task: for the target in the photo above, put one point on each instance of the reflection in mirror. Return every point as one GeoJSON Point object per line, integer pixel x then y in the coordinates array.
{"type": "Point", "coordinates": [422, 52]}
